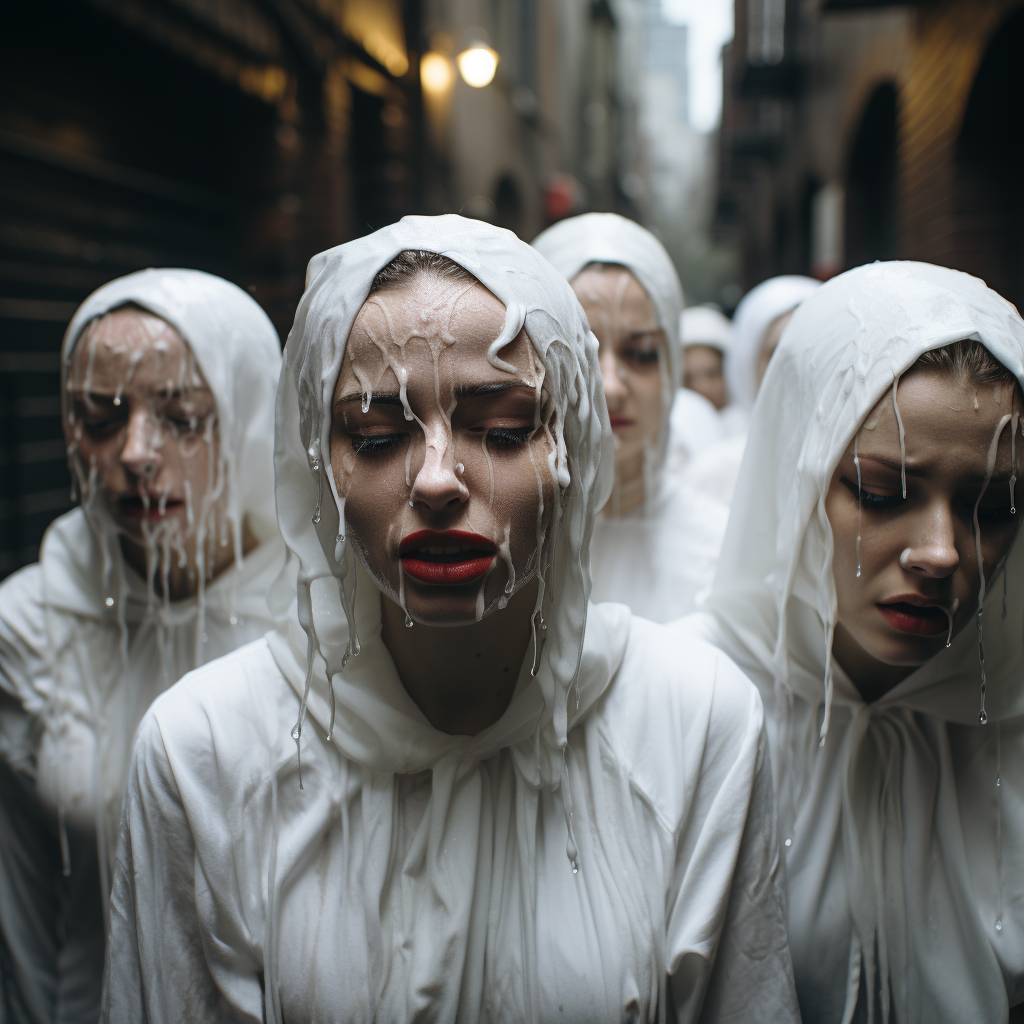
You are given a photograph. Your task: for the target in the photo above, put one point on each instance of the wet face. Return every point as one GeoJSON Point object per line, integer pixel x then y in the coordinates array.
{"type": "Point", "coordinates": [702, 372]}
{"type": "Point", "coordinates": [142, 427]}
{"type": "Point", "coordinates": [769, 343]}
{"type": "Point", "coordinates": [632, 350]}
{"type": "Point", "coordinates": [917, 557]}
{"type": "Point", "coordinates": [448, 494]}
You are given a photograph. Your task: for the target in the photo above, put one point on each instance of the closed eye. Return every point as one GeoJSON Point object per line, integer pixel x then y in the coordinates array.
{"type": "Point", "coordinates": [509, 437]}
{"type": "Point", "coordinates": [376, 444]}
{"type": "Point", "coordinates": [870, 500]}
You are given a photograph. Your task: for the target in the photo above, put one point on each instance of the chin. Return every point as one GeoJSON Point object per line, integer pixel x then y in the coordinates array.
{"type": "Point", "coordinates": [446, 606]}
{"type": "Point", "coordinates": [906, 651]}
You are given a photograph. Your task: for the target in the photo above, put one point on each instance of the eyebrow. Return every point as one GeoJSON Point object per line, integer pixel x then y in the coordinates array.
{"type": "Point", "coordinates": [896, 466]}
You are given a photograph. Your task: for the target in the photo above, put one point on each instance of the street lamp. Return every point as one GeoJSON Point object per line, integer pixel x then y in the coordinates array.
{"type": "Point", "coordinates": [435, 73]}
{"type": "Point", "coordinates": [477, 65]}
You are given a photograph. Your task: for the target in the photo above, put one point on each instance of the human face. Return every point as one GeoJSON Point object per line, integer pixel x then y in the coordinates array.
{"type": "Point", "coordinates": [770, 342]}
{"type": "Point", "coordinates": [918, 565]}
{"type": "Point", "coordinates": [632, 348]}
{"type": "Point", "coordinates": [446, 498]}
{"type": "Point", "coordinates": [702, 373]}
{"type": "Point", "coordinates": [142, 427]}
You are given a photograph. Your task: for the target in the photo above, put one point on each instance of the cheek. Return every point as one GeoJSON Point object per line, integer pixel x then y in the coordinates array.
{"type": "Point", "coordinates": [520, 500]}
{"type": "Point", "coordinates": [374, 492]}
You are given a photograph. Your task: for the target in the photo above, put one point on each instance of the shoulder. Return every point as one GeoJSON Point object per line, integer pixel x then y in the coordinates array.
{"type": "Point", "coordinates": [23, 636]}
{"type": "Point", "coordinates": [225, 714]}
{"type": "Point", "coordinates": [679, 715]}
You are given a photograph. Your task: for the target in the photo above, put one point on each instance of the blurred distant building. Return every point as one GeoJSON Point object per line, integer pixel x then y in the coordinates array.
{"type": "Point", "coordinates": [856, 130]}
{"type": "Point", "coordinates": [243, 136]}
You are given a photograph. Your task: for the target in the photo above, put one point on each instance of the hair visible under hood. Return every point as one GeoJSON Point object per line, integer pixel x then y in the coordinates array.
{"type": "Point", "coordinates": [754, 315]}
{"type": "Point", "coordinates": [311, 512]}
{"type": "Point", "coordinates": [773, 604]}
{"type": "Point", "coordinates": [571, 245]}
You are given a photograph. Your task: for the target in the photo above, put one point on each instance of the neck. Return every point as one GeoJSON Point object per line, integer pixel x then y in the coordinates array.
{"type": "Point", "coordinates": [461, 677]}
{"type": "Point", "coordinates": [183, 580]}
{"type": "Point", "coordinates": [628, 489]}
{"type": "Point", "coordinates": [873, 678]}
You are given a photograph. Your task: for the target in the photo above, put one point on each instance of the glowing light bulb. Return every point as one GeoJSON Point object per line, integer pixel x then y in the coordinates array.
{"type": "Point", "coordinates": [436, 73]}
{"type": "Point", "coordinates": [477, 65]}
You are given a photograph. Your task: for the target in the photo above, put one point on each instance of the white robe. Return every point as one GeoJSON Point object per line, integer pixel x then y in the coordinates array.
{"type": "Point", "coordinates": [668, 773]}
{"type": "Point", "coordinates": [85, 647]}
{"type": "Point", "coordinates": [904, 832]}
{"type": "Point", "coordinates": [422, 876]}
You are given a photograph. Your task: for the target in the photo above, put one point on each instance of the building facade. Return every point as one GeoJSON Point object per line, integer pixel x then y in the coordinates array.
{"type": "Point", "coordinates": [242, 137]}
{"type": "Point", "coordinates": [855, 131]}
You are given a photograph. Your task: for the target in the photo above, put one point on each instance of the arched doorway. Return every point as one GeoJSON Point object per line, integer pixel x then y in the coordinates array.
{"type": "Point", "coordinates": [988, 199]}
{"type": "Point", "coordinates": [870, 216]}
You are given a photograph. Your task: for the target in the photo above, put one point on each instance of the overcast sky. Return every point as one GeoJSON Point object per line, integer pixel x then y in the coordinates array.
{"type": "Point", "coordinates": [710, 23]}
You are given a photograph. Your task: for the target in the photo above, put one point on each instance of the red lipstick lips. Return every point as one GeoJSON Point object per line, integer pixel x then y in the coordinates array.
{"type": "Point", "coordinates": [619, 421]}
{"type": "Point", "coordinates": [446, 558]}
{"type": "Point", "coordinates": [912, 613]}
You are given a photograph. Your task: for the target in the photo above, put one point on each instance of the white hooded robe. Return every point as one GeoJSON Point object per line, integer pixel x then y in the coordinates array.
{"type": "Point", "coordinates": [85, 647]}
{"type": "Point", "coordinates": [904, 831]}
{"type": "Point", "coordinates": [421, 876]}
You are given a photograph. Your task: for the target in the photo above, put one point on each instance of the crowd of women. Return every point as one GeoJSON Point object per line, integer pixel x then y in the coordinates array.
{"type": "Point", "coordinates": [462, 667]}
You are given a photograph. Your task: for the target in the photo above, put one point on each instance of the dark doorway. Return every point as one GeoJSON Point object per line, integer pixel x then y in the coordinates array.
{"type": "Point", "coordinates": [989, 197]}
{"type": "Point", "coordinates": [870, 218]}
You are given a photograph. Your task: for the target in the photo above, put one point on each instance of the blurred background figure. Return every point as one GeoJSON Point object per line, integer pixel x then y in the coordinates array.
{"type": "Point", "coordinates": [705, 333]}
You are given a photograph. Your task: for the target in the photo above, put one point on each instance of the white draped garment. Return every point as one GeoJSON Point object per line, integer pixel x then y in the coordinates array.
{"type": "Point", "coordinates": [70, 700]}
{"type": "Point", "coordinates": [420, 876]}
{"type": "Point", "coordinates": [904, 832]}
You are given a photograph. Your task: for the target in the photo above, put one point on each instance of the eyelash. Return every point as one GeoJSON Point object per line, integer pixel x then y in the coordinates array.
{"type": "Point", "coordinates": [887, 502]}
{"type": "Point", "coordinates": [378, 444]}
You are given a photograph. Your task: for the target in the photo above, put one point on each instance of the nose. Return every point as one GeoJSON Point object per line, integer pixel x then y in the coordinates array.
{"type": "Point", "coordinates": [934, 553]}
{"type": "Point", "coordinates": [140, 455]}
{"type": "Point", "coordinates": [615, 391]}
{"type": "Point", "coordinates": [437, 485]}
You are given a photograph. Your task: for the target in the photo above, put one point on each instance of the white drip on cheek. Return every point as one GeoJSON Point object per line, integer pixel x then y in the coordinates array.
{"type": "Point", "coordinates": [950, 613]}
{"type": "Point", "coordinates": [860, 509]}
{"type": "Point", "coordinates": [902, 436]}
{"type": "Point", "coordinates": [504, 550]}
{"type": "Point", "coordinates": [490, 469]}
{"type": "Point", "coordinates": [481, 594]}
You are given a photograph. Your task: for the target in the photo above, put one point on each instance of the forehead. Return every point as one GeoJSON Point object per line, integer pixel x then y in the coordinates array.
{"type": "Point", "coordinates": [944, 418]}
{"type": "Point", "coordinates": [613, 289]}
{"type": "Point", "coordinates": [134, 348]}
{"type": "Point", "coordinates": [428, 320]}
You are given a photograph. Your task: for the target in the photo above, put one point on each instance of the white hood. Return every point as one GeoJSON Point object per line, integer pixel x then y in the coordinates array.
{"type": "Point", "coordinates": [339, 621]}
{"type": "Point", "coordinates": [608, 238]}
{"type": "Point", "coordinates": [870, 797]}
{"type": "Point", "coordinates": [759, 307]}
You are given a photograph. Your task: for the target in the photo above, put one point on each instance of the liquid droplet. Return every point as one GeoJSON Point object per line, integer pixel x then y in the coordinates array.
{"type": "Point", "coordinates": [233, 620]}
{"type": "Point", "coordinates": [575, 868]}
{"type": "Point", "coordinates": [983, 716]}
{"type": "Point", "coordinates": [999, 781]}
{"type": "Point", "coordinates": [999, 924]}
{"type": "Point", "coordinates": [109, 602]}
{"type": "Point", "coordinates": [789, 842]}
{"type": "Point", "coordinates": [117, 400]}
{"type": "Point", "coordinates": [408, 621]}
{"type": "Point", "coordinates": [412, 504]}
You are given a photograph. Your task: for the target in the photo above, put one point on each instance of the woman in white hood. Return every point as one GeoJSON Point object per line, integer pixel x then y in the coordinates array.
{"type": "Point", "coordinates": [168, 380]}
{"type": "Point", "coordinates": [880, 473]}
{"type": "Point", "coordinates": [756, 328]}
{"type": "Point", "coordinates": [445, 788]}
{"type": "Point", "coordinates": [655, 545]}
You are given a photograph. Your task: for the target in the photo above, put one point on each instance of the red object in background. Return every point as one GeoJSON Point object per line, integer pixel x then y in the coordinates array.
{"type": "Point", "coordinates": [562, 195]}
